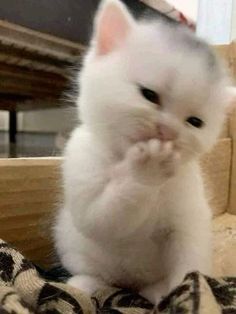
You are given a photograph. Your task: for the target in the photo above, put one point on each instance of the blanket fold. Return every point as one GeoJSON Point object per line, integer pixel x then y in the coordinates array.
{"type": "Point", "coordinates": [26, 289]}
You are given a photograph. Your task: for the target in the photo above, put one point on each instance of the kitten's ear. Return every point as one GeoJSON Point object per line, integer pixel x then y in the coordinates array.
{"type": "Point", "coordinates": [113, 24]}
{"type": "Point", "coordinates": [231, 98]}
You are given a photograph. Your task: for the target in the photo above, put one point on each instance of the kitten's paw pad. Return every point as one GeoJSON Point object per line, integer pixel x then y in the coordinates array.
{"type": "Point", "coordinates": [169, 158]}
{"type": "Point", "coordinates": [140, 152]}
{"type": "Point", "coordinates": [87, 284]}
{"type": "Point", "coordinates": [154, 152]}
{"type": "Point", "coordinates": [143, 152]}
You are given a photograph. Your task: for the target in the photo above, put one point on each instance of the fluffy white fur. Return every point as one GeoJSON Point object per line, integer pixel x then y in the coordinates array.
{"type": "Point", "coordinates": [135, 213]}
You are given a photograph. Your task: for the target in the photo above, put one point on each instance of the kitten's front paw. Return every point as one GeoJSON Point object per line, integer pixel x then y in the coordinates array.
{"type": "Point", "coordinates": [154, 293]}
{"type": "Point", "coordinates": [154, 157]}
{"type": "Point", "coordinates": [85, 283]}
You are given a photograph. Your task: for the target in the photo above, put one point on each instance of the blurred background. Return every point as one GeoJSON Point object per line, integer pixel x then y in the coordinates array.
{"type": "Point", "coordinates": [41, 46]}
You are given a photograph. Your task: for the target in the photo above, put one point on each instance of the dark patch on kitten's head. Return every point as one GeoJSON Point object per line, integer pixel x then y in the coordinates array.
{"type": "Point", "coordinates": [184, 38]}
{"type": "Point", "coordinates": [181, 35]}
{"type": "Point", "coordinates": [192, 42]}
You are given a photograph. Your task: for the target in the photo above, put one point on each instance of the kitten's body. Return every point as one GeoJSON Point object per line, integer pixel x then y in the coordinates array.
{"type": "Point", "coordinates": [135, 213]}
{"type": "Point", "coordinates": [117, 250]}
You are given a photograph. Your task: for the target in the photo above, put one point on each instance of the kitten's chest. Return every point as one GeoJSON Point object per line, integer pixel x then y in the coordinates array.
{"type": "Point", "coordinates": [137, 263]}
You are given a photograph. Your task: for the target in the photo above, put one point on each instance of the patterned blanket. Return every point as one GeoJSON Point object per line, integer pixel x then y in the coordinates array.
{"type": "Point", "coordinates": [26, 289]}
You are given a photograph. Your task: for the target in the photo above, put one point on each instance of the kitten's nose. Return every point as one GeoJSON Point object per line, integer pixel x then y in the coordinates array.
{"type": "Point", "coordinates": [166, 133]}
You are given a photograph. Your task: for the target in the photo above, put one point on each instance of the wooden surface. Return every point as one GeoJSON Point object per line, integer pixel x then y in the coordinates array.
{"type": "Point", "coordinates": [34, 68]}
{"type": "Point", "coordinates": [216, 168]}
{"type": "Point", "coordinates": [29, 192]}
{"type": "Point", "coordinates": [228, 53]}
{"type": "Point", "coordinates": [20, 81]}
{"type": "Point", "coordinates": [232, 197]}
{"type": "Point", "coordinates": [43, 44]}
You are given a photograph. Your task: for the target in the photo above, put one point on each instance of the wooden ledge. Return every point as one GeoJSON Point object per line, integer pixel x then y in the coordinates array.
{"type": "Point", "coordinates": [42, 44]}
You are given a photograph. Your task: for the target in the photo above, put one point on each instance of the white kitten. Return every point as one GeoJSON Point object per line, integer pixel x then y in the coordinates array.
{"type": "Point", "coordinates": [152, 100]}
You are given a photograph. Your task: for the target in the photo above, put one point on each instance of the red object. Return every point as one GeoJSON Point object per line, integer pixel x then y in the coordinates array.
{"type": "Point", "coordinates": [169, 10]}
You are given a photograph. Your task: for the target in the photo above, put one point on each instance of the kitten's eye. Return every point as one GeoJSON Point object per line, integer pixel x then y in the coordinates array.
{"type": "Point", "coordinates": [150, 95]}
{"type": "Point", "coordinates": [196, 122]}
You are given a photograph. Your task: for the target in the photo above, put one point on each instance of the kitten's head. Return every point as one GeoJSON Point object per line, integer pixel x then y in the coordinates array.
{"type": "Point", "coordinates": [144, 79]}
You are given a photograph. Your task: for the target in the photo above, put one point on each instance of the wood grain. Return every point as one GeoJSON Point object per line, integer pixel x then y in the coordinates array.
{"type": "Point", "coordinates": [225, 130]}
{"type": "Point", "coordinates": [232, 197]}
{"type": "Point", "coordinates": [34, 66]}
{"type": "Point", "coordinates": [43, 44]}
{"type": "Point", "coordinates": [29, 192]}
{"type": "Point", "coordinates": [228, 54]}
{"type": "Point", "coordinates": [216, 173]}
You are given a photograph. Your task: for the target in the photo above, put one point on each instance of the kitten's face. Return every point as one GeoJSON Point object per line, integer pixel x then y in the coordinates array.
{"type": "Point", "coordinates": [145, 80]}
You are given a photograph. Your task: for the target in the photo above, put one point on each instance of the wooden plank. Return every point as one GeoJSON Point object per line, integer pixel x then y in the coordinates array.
{"type": "Point", "coordinates": [32, 74]}
{"type": "Point", "coordinates": [232, 199]}
{"type": "Point", "coordinates": [23, 208]}
{"type": "Point", "coordinates": [24, 105]}
{"type": "Point", "coordinates": [34, 83]}
{"type": "Point", "coordinates": [32, 89]}
{"type": "Point", "coordinates": [228, 54]}
{"type": "Point", "coordinates": [29, 193]}
{"type": "Point", "coordinates": [31, 64]}
{"type": "Point", "coordinates": [33, 56]}
{"type": "Point", "coordinates": [225, 130]}
{"type": "Point", "coordinates": [223, 50]}
{"type": "Point", "coordinates": [216, 167]}
{"type": "Point", "coordinates": [44, 44]}
{"type": "Point", "coordinates": [233, 59]}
